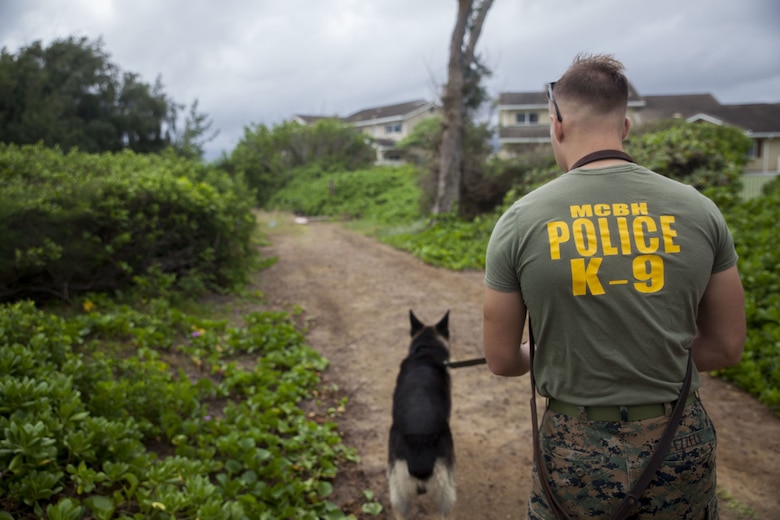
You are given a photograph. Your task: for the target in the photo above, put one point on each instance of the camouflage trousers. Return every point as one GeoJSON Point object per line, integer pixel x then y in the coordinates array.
{"type": "Point", "coordinates": [593, 464]}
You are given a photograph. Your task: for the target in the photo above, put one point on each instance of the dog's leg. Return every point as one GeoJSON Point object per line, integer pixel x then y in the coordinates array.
{"type": "Point", "coordinates": [442, 488]}
{"type": "Point", "coordinates": [403, 488]}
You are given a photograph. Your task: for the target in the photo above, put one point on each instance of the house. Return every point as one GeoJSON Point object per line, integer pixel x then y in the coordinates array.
{"type": "Point", "coordinates": [386, 124]}
{"type": "Point", "coordinates": [524, 124]}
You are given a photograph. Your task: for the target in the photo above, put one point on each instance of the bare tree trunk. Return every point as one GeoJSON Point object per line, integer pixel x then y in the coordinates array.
{"type": "Point", "coordinates": [461, 58]}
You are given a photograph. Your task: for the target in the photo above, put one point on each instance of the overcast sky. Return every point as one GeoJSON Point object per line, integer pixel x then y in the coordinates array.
{"type": "Point", "coordinates": [262, 61]}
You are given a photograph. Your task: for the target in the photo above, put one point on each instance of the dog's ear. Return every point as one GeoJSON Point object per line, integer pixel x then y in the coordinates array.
{"type": "Point", "coordinates": [417, 325]}
{"type": "Point", "coordinates": [443, 327]}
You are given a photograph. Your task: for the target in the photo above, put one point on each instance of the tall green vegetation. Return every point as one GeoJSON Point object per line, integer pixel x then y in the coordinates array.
{"type": "Point", "coordinates": [269, 158]}
{"type": "Point", "coordinates": [69, 94]}
{"type": "Point", "coordinates": [77, 222]}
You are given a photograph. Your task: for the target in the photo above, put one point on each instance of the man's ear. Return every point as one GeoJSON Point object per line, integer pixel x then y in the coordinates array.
{"type": "Point", "coordinates": [557, 129]}
{"type": "Point", "coordinates": [626, 128]}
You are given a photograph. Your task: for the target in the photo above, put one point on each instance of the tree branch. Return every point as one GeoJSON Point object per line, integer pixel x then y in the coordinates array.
{"type": "Point", "coordinates": [475, 29]}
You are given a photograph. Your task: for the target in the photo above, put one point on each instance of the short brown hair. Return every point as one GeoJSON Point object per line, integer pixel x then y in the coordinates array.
{"type": "Point", "coordinates": [595, 80]}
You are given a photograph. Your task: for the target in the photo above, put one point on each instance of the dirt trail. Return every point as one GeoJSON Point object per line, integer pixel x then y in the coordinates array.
{"type": "Point", "coordinates": [357, 294]}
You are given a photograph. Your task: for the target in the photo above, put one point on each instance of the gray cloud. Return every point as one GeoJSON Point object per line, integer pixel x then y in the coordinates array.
{"type": "Point", "coordinates": [262, 62]}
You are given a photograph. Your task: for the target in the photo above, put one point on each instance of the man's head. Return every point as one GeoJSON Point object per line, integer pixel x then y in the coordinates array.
{"type": "Point", "coordinates": [588, 106]}
{"type": "Point", "coordinates": [596, 82]}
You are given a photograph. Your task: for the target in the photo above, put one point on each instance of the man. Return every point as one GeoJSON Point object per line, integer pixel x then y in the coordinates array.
{"type": "Point", "coordinates": [623, 273]}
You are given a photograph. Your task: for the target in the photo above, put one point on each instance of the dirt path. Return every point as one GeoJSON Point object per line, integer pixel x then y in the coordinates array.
{"type": "Point", "coordinates": [357, 294]}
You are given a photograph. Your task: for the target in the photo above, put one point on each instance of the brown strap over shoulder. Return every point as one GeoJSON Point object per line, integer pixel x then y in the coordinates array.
{"type": "Point", "coordinates": [600, 156]}
{"type": "Point", "coordinates": [538, 462]}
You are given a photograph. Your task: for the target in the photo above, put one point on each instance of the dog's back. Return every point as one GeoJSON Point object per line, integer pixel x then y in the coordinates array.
{"type": "Point", "coordinates": [421, 454]}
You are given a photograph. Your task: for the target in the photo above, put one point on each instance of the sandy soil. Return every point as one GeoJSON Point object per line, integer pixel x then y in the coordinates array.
{"type": "Point", "coordinates": [357, 294]}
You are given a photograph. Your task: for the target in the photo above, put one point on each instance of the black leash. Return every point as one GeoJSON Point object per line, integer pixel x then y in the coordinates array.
{"type": "Point", "coordinates": [465, 363]}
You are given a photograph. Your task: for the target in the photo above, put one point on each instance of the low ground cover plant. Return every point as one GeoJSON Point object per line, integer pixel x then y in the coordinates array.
{"type": "Point", "coordinates": [142, 411]}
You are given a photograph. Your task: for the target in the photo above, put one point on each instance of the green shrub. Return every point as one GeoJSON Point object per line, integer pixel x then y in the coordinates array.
{"type": "Point", "coordinates": [72, 223]}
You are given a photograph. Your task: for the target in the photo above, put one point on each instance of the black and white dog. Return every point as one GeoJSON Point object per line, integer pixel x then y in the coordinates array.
{"type": "Point", "coordinates": [421, 455]}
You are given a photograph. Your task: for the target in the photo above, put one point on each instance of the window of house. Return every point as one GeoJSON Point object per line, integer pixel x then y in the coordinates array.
{"type": "Point", "coordinates": [393, 129]}
{"type": "Point", "coordinates": [526, 118]}
{"type": "Point", "coordinates": [755, 151]}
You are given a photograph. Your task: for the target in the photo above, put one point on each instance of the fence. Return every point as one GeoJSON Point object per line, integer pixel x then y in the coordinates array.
{"type": "Point", "coordinates": [753, 182]}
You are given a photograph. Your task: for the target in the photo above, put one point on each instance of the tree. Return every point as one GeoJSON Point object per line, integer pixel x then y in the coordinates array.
{"type": "Point", "coordinates": [468, 26]}
{"type": "Point", "coordinates": [71, 95]}
{"type": "Point", "coordinates": [59, 95]}
{"type": "Point", "coordinates": [190, 141]}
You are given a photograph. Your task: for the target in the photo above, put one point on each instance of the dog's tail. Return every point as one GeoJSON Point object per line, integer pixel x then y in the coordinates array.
{"type": "Point", "coordinates": [422, 455]}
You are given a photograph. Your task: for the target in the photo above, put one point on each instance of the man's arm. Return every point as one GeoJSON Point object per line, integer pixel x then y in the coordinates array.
{"type": "Point", "coordinates": [502, 329]}
{"type": "Point", "coordinates": [720, 325]}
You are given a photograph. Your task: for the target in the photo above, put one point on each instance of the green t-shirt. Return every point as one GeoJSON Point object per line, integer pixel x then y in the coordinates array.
{"type": "Point", "coordinates": [612, 263]}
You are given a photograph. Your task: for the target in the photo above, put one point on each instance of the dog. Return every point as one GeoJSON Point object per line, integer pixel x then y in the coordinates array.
{"type": "Point", "coordinates": [421, 454]}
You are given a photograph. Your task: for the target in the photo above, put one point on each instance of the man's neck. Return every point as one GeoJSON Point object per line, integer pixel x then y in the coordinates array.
{"type": "Point", "coordinates": [600, 158]}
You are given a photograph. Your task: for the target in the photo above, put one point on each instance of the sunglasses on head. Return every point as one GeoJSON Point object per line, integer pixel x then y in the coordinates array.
{"type": "Point", "coordinates": [552, 98]}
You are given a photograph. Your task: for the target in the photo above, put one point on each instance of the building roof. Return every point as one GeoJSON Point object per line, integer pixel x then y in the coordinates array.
{"type": "Point", "coordinates": [387, 143]}
{"type": "Point", "coordinates": [755, 118]}
{"type": "Point", "coordinates": [308, 120]}
{"type": "Point", "coordinates": [683, 105]}
{"type": "Point", "coordinates": [522, 98]}
{"type": "Point", "coordinates": [540, 98]}
{"type": "Point", "coordinates": [387, 111]}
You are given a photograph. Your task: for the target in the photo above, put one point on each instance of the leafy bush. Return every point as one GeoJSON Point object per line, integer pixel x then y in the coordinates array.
{"type": "Point", "coordinates": [381, 194]}
{"type": "Point", "coordinates": [71, 223]}
{"type": "Point", "coordinates": [754, 225]}
{"type": "Point", "coordinates": [709, 157]}
{"type": "Point", "coordinates": [125, 412]}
